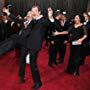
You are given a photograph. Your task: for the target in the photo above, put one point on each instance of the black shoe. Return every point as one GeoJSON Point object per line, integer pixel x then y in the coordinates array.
{"type": "Point", "coordinates": [66, 70]}
{"type": "Point", "coordinates": [77, 74]}
{"type": "Point", "coordinates": [50, 65]}
{"type": "Point", "coordinates": [22, 80]}
{"type": "Point", "coordinates": [37, 86]}
{"type": "Point", "coordinates": [59, 62]}
{"type": "Point", "coordinates": [82, 63]}
{"type": "Point", "coordinates": [55, 63]}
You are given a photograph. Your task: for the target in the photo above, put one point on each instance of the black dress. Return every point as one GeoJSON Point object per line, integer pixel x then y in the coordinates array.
{"type": "Point", "coordinates": [76, 51]}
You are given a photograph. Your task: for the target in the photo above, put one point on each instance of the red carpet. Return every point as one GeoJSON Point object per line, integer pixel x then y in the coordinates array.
{"type": "Point", "coordinates": [52, 79]}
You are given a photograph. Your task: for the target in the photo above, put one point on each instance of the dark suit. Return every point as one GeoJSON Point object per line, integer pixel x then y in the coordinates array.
{"type": "Point", "coordinates": [63, 38]}
{"type": "Point", "coordinates": [53, 48]}
{"type": "Point", "coordinates": [33, 38]}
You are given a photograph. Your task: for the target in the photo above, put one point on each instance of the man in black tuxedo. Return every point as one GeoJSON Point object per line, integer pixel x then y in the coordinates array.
{"type": "Point", "coordinates": [33, 44]}
{"type": "Point", "coordinates": [64, 25]}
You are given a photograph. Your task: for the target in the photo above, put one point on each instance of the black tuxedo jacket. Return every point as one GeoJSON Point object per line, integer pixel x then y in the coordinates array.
{"type": "Point", "coordinates": [33, 36]}
{"type": "Point", "coordinates": [65, 28]}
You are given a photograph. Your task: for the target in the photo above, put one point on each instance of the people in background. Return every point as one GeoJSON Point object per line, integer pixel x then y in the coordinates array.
{"type": "Point", "coordinates": [78, 33]}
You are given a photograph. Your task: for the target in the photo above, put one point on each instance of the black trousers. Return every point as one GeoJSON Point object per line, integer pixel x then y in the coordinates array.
{"type": "Point", "coordinates": [52, 54]}
{"type": "Point", "coordinates": [54, 49]}
{"type": "Point", "coordinates": [33, 65]}
{"type": "Point", "coordinates": [75, 58]}
{"type": "Point", "coordinates": [62, 50]}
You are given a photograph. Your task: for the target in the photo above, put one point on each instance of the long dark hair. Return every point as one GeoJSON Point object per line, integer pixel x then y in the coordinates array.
{"type": "Point", "coordinates": [82, 19]}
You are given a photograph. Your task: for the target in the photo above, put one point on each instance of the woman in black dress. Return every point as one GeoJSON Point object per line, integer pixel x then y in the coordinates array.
{"type": "Point", "coordinates": [78, 34]}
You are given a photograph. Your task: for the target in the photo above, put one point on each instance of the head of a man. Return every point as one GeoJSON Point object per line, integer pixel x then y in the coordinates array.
{"type": "Point", "coordinates": [86, 16]}
{"type": "Point", "coordinates": [36, 11]}
{"type": "Point", "coordinates": [58, 15]}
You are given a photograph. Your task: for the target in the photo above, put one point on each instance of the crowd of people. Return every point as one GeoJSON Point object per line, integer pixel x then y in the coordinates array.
{"type": "Point", "coordinates": [56, 30]}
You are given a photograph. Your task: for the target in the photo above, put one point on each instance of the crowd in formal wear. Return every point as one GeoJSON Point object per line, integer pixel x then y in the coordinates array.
{"type": "Point", "coordinates": [28, 33]}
